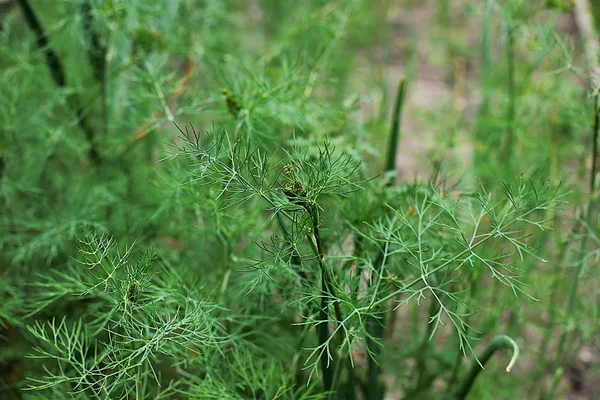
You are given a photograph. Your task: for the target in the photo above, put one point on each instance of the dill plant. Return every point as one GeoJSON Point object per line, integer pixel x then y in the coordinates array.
{"type": "Point", "coordinates": [267, 249]}
{"type": "Point", "coordinates": [427, 244]}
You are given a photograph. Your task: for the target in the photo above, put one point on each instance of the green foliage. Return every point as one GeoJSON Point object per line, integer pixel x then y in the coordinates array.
{"type": "Point", "coordinates": [195, 200]}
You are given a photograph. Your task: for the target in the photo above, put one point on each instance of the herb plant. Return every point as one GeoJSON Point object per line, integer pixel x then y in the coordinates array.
{"type": "Point", "coordinates": [208, 200]}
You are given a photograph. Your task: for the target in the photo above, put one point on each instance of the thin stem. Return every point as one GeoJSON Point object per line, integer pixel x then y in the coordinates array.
{"type": "Point", "coordinates": [97, 57]}
{"type": "Point", "coordinates": [323, 335]}
{"type": "Point", "coordinates": [510, 87]}
{"type": "Point", "coordinates": [58, 75]}
{"type": "Point", "coordinates": [546, 356]}
{"type": "Point", "coordinates": [375, 330]}
{"type": "Point", "coordinates": [554, 293]}
{"type": "Point", "coordinates": [54, 64]}
{"type": "Point", "coordinates": [328, 294]}
{"type": "Point", "coordinates": [487, 67]}
{"type": "Point", "coordinates": [337, 376]}
{"type": "Point", "coordinates": [481, 155]}
{"type": "Point", "coordinates": [295, 370]}
{"type": "Point", "coordinates": [586, 235]}
{"type": "Point", "coordinates": [595, 146]}
{"type": "Point", "coordinates": [350, 391]}
{"type": "Point", "coordinates": [390, 164]}
{"type": "Point", "coordinates": [96, 51]}
{"type": "Point", "coordinates": [459, 354]}
{"type": "Point", "coordinates": [314, 213]}
{"type": "Point", "coordinates": [422, 352]}
{"type": "Point", "coordinates": [2, 164]}
{"type": "Point", "coordinates": [455, 368]}
{"type": "Point", "coordinates": [375, 325]}
{"type": "Point", "coordinates": [585, 23]}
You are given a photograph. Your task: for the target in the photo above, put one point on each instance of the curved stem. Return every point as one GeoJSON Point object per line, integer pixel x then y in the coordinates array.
{"type": "Point", "coordinates": [499, 342]}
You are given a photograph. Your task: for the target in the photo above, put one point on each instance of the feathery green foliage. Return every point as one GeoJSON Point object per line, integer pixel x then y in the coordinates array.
{"type": "Point", "coordinates": [195, 200]}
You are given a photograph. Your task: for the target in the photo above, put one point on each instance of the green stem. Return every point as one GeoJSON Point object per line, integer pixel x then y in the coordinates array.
{"type": "Point", "coordinates": [375, 326]}
{"type": "Point", "coordinates": [595, 145]}
{"type": "Point", "coordinates": [486, 67]}
{"type": "Point", "coordinates": [421, 357]}
{"type": "Point", "coordinates": [97, 57]}
{"type": "Point", "coordinates": [295, 369]}
{"type": "Point", "coordinates": [328, 295]}
{"type": "Point", "coordinates": [327, 367]}
{"type": "Point", "coordinates": [459, 354]}
{"type": "Point", "coordinates": [481, 156]}
{"type": "Point", "coordinates": [390, 164]}
{"type": "Point", "coordinates": [350, 391]}
{"type": "Point", "coordinates": [554, 295]}
{"type": "Point", "coordinates": [582, 263]}
{"type": "Point", "coordinates": [2, 162]}
{"type": "Point", "coordinates": [314, 213]}
{"type": "Point", "coordinates": [58, 75]}
{"type": "Point", "coordinates": [96, 51]}
{"type": "Point", "coordinates": [54, 64]}
{"type": "Point", "coordinates": [337, 376]}
{"type": "Point", "coordinates": [511, 108]}
{"type": "Point", "coordinates": [499, 342]}
{"type": "Point", "coordinates": [455, 367]}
